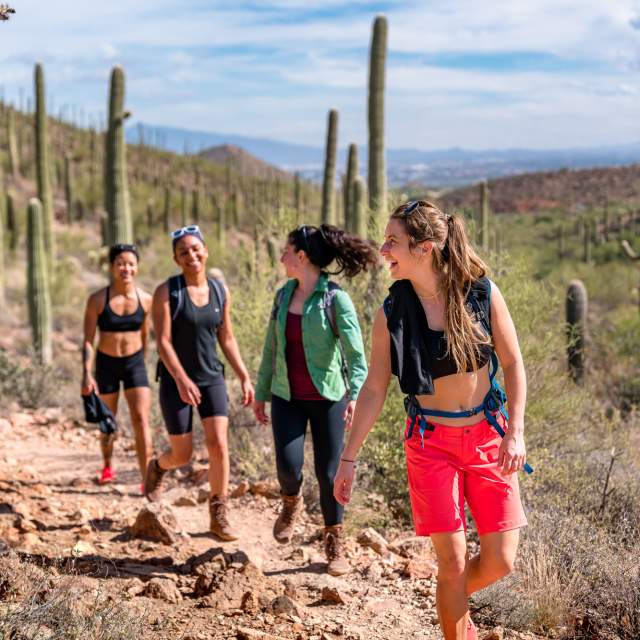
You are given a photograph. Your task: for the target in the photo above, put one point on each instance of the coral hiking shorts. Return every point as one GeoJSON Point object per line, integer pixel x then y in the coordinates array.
{"type": "Point", "coordinates": [458, 464]}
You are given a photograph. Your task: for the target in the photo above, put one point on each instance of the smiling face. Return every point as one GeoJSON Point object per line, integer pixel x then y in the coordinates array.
{"type": "Point", "coordinates": [191, 254]}
{"type": "Point", "coordinates": [125, 267]}
{"type": "Point", "coordinates": [404, 261]}
{"type": "Point", "coordinates": [293, 260]}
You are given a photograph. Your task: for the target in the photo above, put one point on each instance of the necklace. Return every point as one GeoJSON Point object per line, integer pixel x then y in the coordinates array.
{"type": "Point", "coordinates": [435, 295]}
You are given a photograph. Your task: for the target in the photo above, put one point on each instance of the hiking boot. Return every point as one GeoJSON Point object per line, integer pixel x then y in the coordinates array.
{"type": "Point", "coordinates": [337, 563]}
{"type": "Point", "coordinates": [286, 521]}
{"type": "Point", "coordinates": [220, 526]}
{"type": "Point", "coordinates": [153, 481]}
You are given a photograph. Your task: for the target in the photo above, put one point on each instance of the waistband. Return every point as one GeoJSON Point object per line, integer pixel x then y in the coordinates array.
{"type": "Point", "coordinates": [105, 356]}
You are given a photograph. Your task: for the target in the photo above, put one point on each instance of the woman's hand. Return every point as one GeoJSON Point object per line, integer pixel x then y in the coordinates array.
{"type": "Point", "coordinates": [348, 414]}
{"type": "Point", "coordinates": [259, 412]}
{"type": "Point", "coordinates": [512, 452]}
{"type": "Point", "coordinates": [248, 392]}
{"type": "Point", "coordinates": [343, 482]}
{"type": "Point", "coordinates": [188, 391]}
{"type": "Point", "coordinates": [88, 385]}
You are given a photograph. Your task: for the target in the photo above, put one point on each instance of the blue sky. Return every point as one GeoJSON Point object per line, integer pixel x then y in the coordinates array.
{"type": "Point", "coordinates": [475, 74]}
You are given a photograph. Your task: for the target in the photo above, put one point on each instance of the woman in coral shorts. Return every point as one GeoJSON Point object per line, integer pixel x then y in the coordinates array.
{"type": "Point", "coordinates": [439, 332]}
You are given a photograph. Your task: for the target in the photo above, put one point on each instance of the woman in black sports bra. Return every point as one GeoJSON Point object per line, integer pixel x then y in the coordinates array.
{"type": "Point", "coordinates": [119, 311]}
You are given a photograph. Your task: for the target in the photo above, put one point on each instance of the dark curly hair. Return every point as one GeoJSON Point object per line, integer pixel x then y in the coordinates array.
{"type": "Point", "coordinates": [116, 249]}
{"type": "Point", "coordinates": [327, 243]}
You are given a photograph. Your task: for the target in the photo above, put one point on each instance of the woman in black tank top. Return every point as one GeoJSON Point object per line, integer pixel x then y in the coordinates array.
{"type": "Point", "coordinates": [441, 326]}
{"type": "Point", "coordinates": [119, 312]}
{"type": "Point", "coordinates": [191, 316]}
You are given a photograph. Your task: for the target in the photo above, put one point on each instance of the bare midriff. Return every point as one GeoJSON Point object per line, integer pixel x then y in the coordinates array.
{"type": "Point", "coordinates": [458, 392]}
{"type": "Point", "coordinates": [119, 344]}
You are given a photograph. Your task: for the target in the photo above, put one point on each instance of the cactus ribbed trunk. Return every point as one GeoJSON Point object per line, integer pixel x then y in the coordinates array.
{"type": "Point", "coordinates": [93, 170]}
{"type": "Point", "coordinates": [377, 175]}
{"type": "Point", "coordinates": [350, 177]}
{"type": "Point", "coordinates": [195, 206]}
{"type": "Point", "coordinates": [12, 223]}
{"type": "Point", "coordinates": [43, 169]}
{"type": "Point", "coordinates": [329, 181]}
{"type": "Point", "coordinates": [484, 216]}
{"type": "Point", "coordinates": [116, 186]}
{"type": "Point", "coordinates": [12, 143]}
{"type": "Point", "coordinates": [183, 206]}
{"type": "Point", "coordinates": [576, 308]}
{"type": "Point", "coordinates": [39, 300]}
{"type": "Point", "coordinates": [359, 207]}
{"type": "Point", "coordinates": [69, 186]}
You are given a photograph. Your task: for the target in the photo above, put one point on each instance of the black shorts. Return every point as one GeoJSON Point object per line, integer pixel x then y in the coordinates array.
{"type": "Point", "coordinates": [178, 415]}
{"type": "Point", "coordinates": [110, 371]}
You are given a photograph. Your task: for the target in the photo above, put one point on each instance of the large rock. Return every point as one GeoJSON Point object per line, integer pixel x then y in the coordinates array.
{"type": "Point", "coordinates": [369, 537]}
{"type": "Point", "coordinates": [162, 589]}
{"type": "Point", "coordinates": [156, 521]}
{"type": "Point", "coordinates": [241, 489]}
{"type": "Point", "coordinates": [266, 488]}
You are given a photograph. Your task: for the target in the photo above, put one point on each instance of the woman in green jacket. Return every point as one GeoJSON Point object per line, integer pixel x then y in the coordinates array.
{"type": "Point", "coordinates": [312, 368]}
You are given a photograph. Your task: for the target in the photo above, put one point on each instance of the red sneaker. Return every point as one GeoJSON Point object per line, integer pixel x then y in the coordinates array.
{"type": "Point", "coordinates": [142, 488]}
{"type": "Point", "coordinates": [472, 632]}
{"type": "Point", "coordinates": [108, 475]}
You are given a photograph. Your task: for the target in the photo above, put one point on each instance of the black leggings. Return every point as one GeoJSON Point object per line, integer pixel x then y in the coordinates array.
{"type": "Point", "coordinates": [289, 419]}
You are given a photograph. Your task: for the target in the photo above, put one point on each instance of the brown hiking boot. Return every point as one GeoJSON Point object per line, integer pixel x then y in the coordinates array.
{"type": "Point", "coordinates": [153, 481]}
{"type": "Point", "coordinates": [219, 521]}
{"type": "Point", "coordinates": [286, 521]}
{"type": "Point", "coordinates": [337, 563]}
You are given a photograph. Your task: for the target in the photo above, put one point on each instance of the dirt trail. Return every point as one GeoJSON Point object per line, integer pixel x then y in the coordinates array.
{"type": "Point", "coordinates": [198, 587]}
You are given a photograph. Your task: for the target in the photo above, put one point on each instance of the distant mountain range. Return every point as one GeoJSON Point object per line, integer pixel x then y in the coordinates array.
{"type": "Point", "coordinates": [438, 168]}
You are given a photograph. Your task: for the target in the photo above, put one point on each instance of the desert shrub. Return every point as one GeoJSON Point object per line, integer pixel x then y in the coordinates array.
{"type": "Point", "coordinates": [24, 382]}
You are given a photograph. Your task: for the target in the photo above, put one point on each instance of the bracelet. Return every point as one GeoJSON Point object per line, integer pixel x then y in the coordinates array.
{"type": "Point", "coordinates": [346, 460]}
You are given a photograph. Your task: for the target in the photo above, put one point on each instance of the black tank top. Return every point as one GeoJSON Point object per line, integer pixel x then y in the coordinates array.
{"type": "Point", "coordinates": [418, 353]}
{"type": "Point", "coordinates": [194, 337]}
{"type": "Point", "coordinates": [110, 321]}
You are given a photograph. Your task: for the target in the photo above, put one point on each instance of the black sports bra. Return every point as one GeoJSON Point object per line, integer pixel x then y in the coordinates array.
{"type": "Point", "coordinates": [110, 321]}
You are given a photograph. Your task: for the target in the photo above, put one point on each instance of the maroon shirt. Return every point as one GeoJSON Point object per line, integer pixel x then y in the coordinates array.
{"type": "Point", "coordinates": [300, 382]}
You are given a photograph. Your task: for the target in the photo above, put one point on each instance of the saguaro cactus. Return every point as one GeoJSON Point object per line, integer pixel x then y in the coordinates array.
{"type": "Point", "coordinates": [12, 223]}
{"type": "Point", "coordinates": [43, 170]}
{"type": "Point", "coordinates": [359, 207]}
{"type": "Point", "coordinates": [69, 186]}
{"type": "Point", "coordinates": [576, 306]}
{"type": "Point", "coordinates": [328, 183]}
{"type": "Point", "coordinates": [12, 143]}
{"type": "Point", "coordinates": [116, 185]}
{"type": "Point", "coordinates": [351, 175]}
{"type": "Point", "coordinates": [484, 215]}
{"type": "Point", "coordinates": [39, 300]}
{"type": "Point", "coordinates": [377, 170]}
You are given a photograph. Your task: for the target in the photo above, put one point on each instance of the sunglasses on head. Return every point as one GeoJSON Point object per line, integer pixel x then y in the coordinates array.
{"type": "Point", "coordinates": [178, 233]}
{"type": "Point", "coordinates": [411, 207]}
{"type": "Point", "coordinates": [122, 247]}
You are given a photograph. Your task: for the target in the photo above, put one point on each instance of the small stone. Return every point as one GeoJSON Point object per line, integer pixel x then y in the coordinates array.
{"type": "Point", "coordinates": [420, 568]}
{"type": "Point", "coordinates": [286, 606]}
{"type": "Point", "coordinates": [370, 538]}
{"type": "Point", "coordinates": [333, 594]}
{"type": "Point", "coordinates": [161, 589]}
{"type": "Point", "coordinates": [136, 587]}
{"type": "Point", "coordinates": [185, 501]}
{"type": "Point", "coordinates": [25, 525]}
{"type": "Point", "coordinates": [240, 490]}
{"type": "Point", "coordinates": [496, 633]}
{"type": "Point", "coordinates": [290, 589]}
{"type": "Point", "coordinates": [203, 586]}
{"type": "Point", "coordinates": [203, 495]}
{"type": "Point", "coordinates": [266, 488]}
{"type": "Point", "coordinates": [299, 554]}
{"type": "Point", "coordinates": [156, 521]}
{"type": "Point", "coordinates": [29, 540]}
{"type": "Point", "coordinates": [250, 603]}
{"type": "Point", "coordinates": [374, 571]}
{"type": "Point", "coordinates": [5, 426]}
{"type": "Point", "coordinates": [82, 548]}
{"type": "Point", "coordinates": [81, 515]}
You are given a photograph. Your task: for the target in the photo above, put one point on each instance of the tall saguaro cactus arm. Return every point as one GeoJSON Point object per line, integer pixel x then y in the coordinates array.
{"type": "Point", "coordinates": [377, 170]}
{"type": "Point", "coordinates": [116, 185]}
{"type": "Point", "coordinates": [39, 300]}
{"type": "Point", "coordinates": [328, 184]}
{"type": "Point", "coordinates": [43, 171]}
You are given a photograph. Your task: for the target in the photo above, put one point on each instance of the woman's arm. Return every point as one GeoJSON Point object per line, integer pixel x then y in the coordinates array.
{"type": "Point", "coordinates": [505, 339]}
{"type": "Point", "coordinates": [368, 407]}
{"type": "Point", "coordinates": [90, 325]}
{"type": "Point", "coordinates": [161, 315]}
{"type": "Point", "coordinates": [231, 350]}
{"type": "Point", "coordinates": [145, 301]}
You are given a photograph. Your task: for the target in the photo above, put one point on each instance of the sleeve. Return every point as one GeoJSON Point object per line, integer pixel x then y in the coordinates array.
{"type": "Point", "coordinates": [265, 372]}
{"type": "Point", "coordinates": [351, 339]}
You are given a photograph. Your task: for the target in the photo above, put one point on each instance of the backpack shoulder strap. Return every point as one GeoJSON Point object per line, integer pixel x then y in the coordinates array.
{"type": "Point", "coordinates": [479, 298]}
{"type": "Point", "coordinates": [219, 292]}
{"type": "Point", "coordinates": [330, 307]}
{"type": "Point", "coordinates": [176, 293]}
{"type": "Point", "coordinates": [386, 306]}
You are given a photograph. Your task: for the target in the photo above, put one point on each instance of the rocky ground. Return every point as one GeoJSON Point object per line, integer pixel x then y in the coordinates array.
{"type": "Point", "coordinates": [109, 552]}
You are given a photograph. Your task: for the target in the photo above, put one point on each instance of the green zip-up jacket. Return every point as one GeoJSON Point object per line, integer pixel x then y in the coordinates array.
{"type": "Point", "coordinates": [321, 347]}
